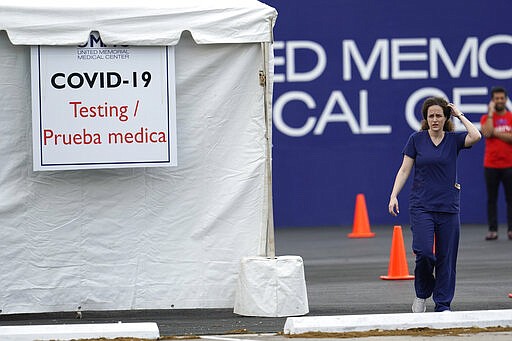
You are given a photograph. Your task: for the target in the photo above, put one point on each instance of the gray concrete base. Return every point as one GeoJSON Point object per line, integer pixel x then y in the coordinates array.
{"type": "Point", "coordinates": [147, 330]}
{"type": "Point", "coordinates": [444, 320]}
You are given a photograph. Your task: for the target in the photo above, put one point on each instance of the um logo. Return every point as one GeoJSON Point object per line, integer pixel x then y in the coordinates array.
{"type": "Point", "coordinates": [95, 41]}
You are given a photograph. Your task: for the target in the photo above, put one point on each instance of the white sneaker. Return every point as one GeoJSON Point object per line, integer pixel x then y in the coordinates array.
{"type": "Point", "coordinates": [419, 305]}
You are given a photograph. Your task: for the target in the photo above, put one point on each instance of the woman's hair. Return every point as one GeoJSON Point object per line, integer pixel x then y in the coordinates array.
{"type": "Point", "coordinates": [448, 125]}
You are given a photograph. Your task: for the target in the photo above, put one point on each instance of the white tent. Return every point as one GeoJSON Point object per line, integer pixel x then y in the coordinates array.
{"type": "Point", "coordinates": [141, 238]}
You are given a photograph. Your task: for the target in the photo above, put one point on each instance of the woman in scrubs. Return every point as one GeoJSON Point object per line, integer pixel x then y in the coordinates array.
{"type": "Point", "coordinates": [434, 199]}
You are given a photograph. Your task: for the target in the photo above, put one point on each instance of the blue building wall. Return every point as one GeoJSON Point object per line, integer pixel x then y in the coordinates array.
{"type": "Point", "coordinates": [350, 77]}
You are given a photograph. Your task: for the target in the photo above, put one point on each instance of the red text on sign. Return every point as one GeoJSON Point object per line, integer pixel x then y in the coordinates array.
{"type": "Point", "coordinates": [101, 110]}
{"type": "Point", "coordinates": [84, 137]}
{"type": "Point", "coordinates": [141, 136]}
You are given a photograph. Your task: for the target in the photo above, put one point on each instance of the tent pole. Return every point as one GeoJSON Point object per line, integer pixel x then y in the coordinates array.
{"type": "Point", "coordinates": [267, 96]}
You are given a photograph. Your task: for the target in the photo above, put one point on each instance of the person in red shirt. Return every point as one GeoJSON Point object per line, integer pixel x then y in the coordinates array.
{"type": "Point", "coordinates": [497, 129]}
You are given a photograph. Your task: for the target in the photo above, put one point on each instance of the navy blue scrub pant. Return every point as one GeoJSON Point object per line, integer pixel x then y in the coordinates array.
{"type": "Point", "coordinates": [435, 273]}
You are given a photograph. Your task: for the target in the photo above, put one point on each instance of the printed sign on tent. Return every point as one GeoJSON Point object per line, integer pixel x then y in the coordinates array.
{"type": "Point", "coordinates": [99, 106]}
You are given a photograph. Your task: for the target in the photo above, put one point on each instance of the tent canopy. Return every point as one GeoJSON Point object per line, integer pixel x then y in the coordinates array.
{"type": "Point", "coordinates": [150, 22]}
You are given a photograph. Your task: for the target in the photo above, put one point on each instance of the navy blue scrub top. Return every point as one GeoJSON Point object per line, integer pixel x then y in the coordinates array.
{"type": "Point", "coordinates": [435, 186]}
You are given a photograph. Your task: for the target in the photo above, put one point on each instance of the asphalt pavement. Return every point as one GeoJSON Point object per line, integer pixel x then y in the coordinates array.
{"type": "Point", "coordinates": [342, 278]}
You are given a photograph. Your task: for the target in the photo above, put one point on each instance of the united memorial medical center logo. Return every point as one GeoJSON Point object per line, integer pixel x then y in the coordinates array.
{"type": "Point", "coordinates": [95, 49]}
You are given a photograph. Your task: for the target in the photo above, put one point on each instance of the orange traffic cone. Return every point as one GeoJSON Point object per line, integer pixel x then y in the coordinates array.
{"type": "Point", "coordinates": [398, 268]}
{"type": "Point", "coordinates": [361, 228]}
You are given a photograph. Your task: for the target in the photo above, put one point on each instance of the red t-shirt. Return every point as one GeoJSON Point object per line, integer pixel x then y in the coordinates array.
{"type": "Point", "coordinates": [498, 153]}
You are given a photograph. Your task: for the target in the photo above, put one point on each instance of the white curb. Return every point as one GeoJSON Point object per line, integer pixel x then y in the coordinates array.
{"type": "Point", "coordinates": [351, 323]}
{"type": "Point", "coordinates": [147, 330]}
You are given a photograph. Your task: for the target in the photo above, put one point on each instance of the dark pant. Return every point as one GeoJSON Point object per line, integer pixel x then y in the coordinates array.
{"type": "Point", "coordinates": [446, 229]}
{"type": "Point", "coordinates": [493, 178]}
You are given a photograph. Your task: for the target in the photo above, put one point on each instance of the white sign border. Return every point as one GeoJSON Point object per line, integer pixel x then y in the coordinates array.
{"type": "Point", "coordinates": [38, 165]}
